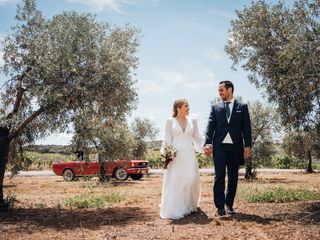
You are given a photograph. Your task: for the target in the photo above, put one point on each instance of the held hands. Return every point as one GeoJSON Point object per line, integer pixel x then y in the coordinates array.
{"type": "Point", "coordinates": [207, 149]}
{"type": "Point", "coordinates": [247, 152]}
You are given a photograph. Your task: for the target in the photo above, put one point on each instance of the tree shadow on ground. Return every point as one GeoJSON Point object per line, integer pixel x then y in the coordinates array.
{"type": "Point", "coordinates": [271, 181]}
{"type": "Point", "coordinates": [122, 183]}
{"type": "Point", "coordinates": [112, 182]}
{"type": "Point", "coordinates": [199, 217]}
{"type": "Point", "coordinates": [303, 212]}
{"type": "Point", "coordinates": [244, 217]}
{"type": "Point", "coordinates": [68, 219]}
{"type": "Point", "coordinates": [10, 186]}
{"type": "Point", "coordinates": [307, 213]}
{"type": "Point", "coordinates": [126, 183]}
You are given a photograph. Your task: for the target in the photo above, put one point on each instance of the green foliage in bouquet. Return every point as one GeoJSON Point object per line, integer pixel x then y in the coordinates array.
{"type": "Point", "coordinates": [168, 153]}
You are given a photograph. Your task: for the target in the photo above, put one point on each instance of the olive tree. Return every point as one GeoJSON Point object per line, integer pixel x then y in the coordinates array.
{"type": "Point", "coordinates": [143, 129]}
{"type": "Point", "coordinates": [279, 47]}
{"type": "Point", "coordinates": [298, 143]}
{"type": "Point", "coordinates": [265, 125]}
{"type": "Point", "coordinates": [60, 70]}
{"type": "Point", "coordinates": [106, 141]}
{"type": "Point", "coordinates": [114, 140]}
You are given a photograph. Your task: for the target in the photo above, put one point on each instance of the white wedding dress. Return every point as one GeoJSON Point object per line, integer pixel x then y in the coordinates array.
{"type": "Point", "coordinates": [181, 180]}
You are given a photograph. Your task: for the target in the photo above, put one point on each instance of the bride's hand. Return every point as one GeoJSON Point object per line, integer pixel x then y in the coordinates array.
{"type": "Point", "coordinates": [207, 149]}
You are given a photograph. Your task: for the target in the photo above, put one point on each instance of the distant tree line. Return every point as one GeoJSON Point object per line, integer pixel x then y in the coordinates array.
{"type": "Point", "coordinates": [60, 149]}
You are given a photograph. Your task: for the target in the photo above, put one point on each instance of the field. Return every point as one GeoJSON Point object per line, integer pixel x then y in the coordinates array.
{"type": "Point", "coordinates": [45, 209]}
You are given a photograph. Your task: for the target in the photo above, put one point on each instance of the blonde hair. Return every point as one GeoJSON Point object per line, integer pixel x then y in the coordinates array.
{"type": "Point", "coordinates": [178, 104]}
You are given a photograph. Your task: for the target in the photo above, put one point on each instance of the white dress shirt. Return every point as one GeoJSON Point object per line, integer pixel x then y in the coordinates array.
{"type": "Point", "coordinates": [228, 139]}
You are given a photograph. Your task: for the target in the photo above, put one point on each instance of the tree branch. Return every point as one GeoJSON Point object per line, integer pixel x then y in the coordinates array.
{"type": "Point", "coordinates": [259, 130]}
{"type": "Point", "coordinates": [20, 92]}
{"type": "Point", "coordinates": [4, 84]}
{"type": "Point", "coordinates": [15, 133]}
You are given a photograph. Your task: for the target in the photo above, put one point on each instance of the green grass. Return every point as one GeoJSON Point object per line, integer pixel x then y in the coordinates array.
{"type": "Point", "coordinates": [93, 201]}
{"type": "Point", "coordinates": [155, 161]}
{"type": "Point", "coordinates": [282, 195]}
{"type": "Point", "coordinates": [42, 161]}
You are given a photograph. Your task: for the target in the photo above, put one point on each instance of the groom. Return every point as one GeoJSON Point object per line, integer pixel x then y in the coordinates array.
{"type": "Point", "coordinates": [228, 139]}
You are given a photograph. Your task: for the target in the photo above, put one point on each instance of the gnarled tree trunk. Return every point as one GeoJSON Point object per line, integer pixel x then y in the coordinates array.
{"type": "Point", "coordinates": [309, 168]}
{"type": "Point", "coordinates": [250, 170]}
{"type": "Point", "coordinates": [4, 151]}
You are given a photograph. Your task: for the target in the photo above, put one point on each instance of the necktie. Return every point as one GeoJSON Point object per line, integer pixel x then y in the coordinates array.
{"type": "Point", "coordinates": [227, 109]}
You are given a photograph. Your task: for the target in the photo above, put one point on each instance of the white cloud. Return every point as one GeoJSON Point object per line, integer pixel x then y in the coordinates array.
{"type": "Point", "coordinates": [113, 5]}
{"type": "Point", "coordinates": [222, 13]}
{"type": "Point", "coordinates": [212, 56]}
{"type": "Point", "coordinates": [56, 139]}
{"type": "Point", "coordinates": [205, 29]}
{"type": "Point", "coordinates": [190, 76]}
{"type": "Point", "coordinates": [3, 2]}
{"type": "Point", "coordinates": [98, 5]}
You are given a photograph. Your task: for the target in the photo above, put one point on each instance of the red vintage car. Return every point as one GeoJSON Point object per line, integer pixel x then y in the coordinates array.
{"type": "Point", "coordinates": [119, 169]}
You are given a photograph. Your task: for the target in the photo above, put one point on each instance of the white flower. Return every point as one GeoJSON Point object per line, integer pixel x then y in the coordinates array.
{"type": "Point", "coordinates": [168, 153]}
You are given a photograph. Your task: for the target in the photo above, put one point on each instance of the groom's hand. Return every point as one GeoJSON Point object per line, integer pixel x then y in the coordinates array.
{"type": "Point", "coordinates": [207, 149]}
{"type": "Point", "coordinates": [247, 152]}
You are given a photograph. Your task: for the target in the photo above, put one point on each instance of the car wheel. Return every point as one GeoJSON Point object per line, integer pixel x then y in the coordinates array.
{"type": "Point", "coordinates": [68, 175]}
{"type": "Point", "coordinates": [136, 176]}
{"type": "Point", "coordinates": [120, 174]}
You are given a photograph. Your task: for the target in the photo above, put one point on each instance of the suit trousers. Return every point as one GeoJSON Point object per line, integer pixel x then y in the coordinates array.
{"type": "Point", "coordinates": [225, 160]}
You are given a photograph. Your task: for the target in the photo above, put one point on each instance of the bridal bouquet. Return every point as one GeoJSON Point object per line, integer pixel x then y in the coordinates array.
{"type": "Point", "coordinates": [168, 153]}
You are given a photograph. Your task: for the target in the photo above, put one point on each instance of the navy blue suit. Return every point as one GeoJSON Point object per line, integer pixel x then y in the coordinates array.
{"type": "Point", "coordinates": [228, 156]}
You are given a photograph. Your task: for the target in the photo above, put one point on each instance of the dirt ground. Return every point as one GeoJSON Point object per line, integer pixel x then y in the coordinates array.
{"type": "Point", "coordinates": [40, 212]}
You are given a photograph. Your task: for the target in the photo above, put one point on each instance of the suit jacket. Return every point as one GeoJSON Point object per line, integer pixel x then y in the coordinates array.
{"type": "Point", "coordinates": [239, 127]}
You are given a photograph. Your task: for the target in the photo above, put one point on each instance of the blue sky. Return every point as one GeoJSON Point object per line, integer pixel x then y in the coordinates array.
{"type": "Point", "coordinates": [181, 52]}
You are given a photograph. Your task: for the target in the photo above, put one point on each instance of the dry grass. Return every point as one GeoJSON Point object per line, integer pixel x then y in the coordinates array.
{"type": "Point", "coordinates": [40, 212]}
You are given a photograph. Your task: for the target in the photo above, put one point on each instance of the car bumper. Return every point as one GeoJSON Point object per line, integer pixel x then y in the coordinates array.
{"type": "Point", "coordinates": [137, 170]}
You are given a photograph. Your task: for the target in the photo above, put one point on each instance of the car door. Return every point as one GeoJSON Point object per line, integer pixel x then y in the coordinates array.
{"type": "Point", "coordinates": [88, 168]}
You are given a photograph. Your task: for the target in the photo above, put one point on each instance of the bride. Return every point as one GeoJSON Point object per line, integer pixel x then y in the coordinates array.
{"type": "Point", "coordinates": [181, 180]}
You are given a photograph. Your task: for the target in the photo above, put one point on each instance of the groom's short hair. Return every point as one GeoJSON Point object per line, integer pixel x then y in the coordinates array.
{"type": "Point", "coordinates": [227, 84]}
